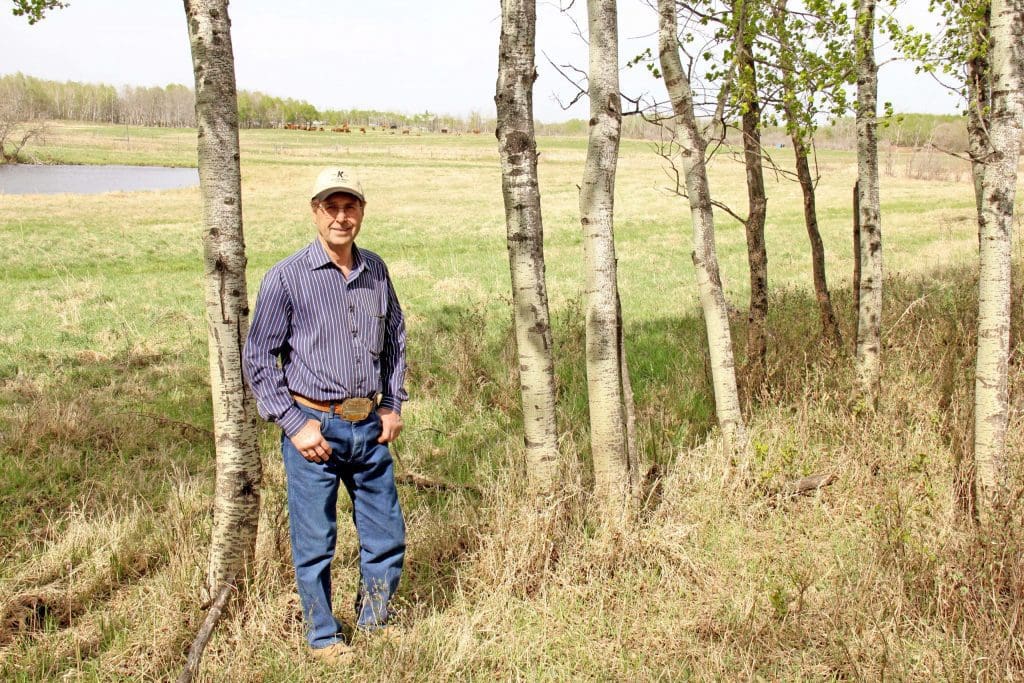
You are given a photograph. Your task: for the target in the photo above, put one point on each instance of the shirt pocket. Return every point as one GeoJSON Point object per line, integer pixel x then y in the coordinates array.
{"type": "Point", "coordinates": [370, 313]}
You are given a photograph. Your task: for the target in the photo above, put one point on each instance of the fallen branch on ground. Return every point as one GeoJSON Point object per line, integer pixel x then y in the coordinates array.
{"type": "Point", "coordinates": [809, 484]}
{"type": "Point", "coordinates": [195, 653]}
{"type": "Point", "coordinates": [422, 482]}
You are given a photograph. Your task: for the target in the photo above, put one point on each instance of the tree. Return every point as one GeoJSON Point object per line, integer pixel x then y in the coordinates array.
{"type": "Point", "coordinates": [980, 48]}
{"type": "Point", "coordinates": [20, 121]}
{"type": "Point", "coordinates": [237, 497]}
{"type": "Point", "coordinates": [517, 146]}
{"type": "Point", "coordinates": [804, 76]}
{"type": "Point", "coordinates": [609, 392]}
{"type": "Point", "coordinates": [745, 25]}
{"type": "Point", "coordinates": [1005, 92]}
{"type": "Point", "coordinates": [693, 144]}
{"type": "Point", "coordinates": [869, 312]}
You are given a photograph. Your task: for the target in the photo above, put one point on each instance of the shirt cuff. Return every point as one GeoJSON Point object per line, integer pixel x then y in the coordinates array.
{"type": "Point", "coordinates": [292, 421]}
{"type": "Point", "coordinates": [392, 403]}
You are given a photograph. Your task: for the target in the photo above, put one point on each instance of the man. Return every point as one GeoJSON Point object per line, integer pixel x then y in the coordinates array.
{"type": "Point", "coordinates": [329, 314]}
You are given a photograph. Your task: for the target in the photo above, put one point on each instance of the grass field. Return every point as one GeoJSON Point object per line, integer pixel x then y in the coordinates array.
{"type": "Point", "coordinates": [106, 457]}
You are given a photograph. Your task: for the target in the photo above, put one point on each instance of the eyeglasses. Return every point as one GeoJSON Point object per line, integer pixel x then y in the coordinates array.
{"type": "Point", "coordinates": [333, 210]}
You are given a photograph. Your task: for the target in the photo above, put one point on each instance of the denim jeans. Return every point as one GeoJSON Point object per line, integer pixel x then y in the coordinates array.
{"type": "Point", "coordinates": [365, 468]}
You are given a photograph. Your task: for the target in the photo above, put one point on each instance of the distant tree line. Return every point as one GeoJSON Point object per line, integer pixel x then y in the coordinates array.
{"type": "Point", "coordinates": [174, 106]}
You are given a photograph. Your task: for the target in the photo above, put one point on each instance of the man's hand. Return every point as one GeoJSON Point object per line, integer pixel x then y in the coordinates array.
{"type": "Point", "coordinates": [310, 443]}
{"type": "Point", "coordinates": [390, 425]}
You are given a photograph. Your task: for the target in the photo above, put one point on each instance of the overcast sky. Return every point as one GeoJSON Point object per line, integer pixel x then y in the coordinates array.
{"type": "Point", "coordinates": [400, 55]}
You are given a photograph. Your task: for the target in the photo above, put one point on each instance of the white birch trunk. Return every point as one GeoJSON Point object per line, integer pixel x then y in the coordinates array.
{"type": "Point", "coordinates": [705, 259]}
{"type": "Point", "coordinates": [237, 496]}
{"type": "Point", "coordinates": [991, 401]}
{"type": "Point", "coordinates": [869, 311]}
{"type": "Point", "coordinates": [517, 145]}
{"type": "Point", "coordinates": [606, 363]}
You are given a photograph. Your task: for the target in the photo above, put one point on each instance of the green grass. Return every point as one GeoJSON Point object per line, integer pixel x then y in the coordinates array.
{"type": "Point", "coordinates": [106, 463]}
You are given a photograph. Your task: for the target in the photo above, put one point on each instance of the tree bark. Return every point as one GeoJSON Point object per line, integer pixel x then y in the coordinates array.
{"type": "Point", "coordinates": [239, 473]}
{"type": "Point", "coordinates": [829, 323]}
{"type": "Point", "coordinates": [801, 152]}
{"type": "Point", "coordinates": [517, 146]}
{"type": "Point", "coordinates": [869, 312]}
{"type": "Point", "coordinates": [614, 462]}
{"type": "Point", "coordinates": [991, 400]}
{"type": "Point", "coordinates": [705, 259]}
{"type": "Point", "coordinates": [978, 110]}
{"type": "Point", "coordinates": [757, 204]}
{"type": "Point", "coordinates": [856, 249]}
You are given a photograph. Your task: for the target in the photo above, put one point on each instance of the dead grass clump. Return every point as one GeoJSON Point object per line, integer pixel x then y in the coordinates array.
{"type": "Point", "coordinates": [108, 595]}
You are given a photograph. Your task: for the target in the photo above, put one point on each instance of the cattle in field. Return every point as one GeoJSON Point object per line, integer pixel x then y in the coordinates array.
{"type": "Point", "coordinates": [362, 130]}
{"type": "Point", "coordinates": [405, 131]}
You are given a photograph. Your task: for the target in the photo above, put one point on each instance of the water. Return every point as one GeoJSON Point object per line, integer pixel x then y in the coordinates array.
{"type": "Point", "coordinates": [42, 179]}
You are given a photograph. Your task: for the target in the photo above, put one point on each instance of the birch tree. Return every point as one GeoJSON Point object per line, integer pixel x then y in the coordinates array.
{"type": "Point", "coordinates": [804, 76]}
{"type": "Point", "coordinates": [980, 48]}
{"type": "Point", "coordinates": [609, 393]}
{"type": "Point", "coordinates": [237, 495]}
{"type": "Point", "coordinates": [869, 311]}
{"type": "Point", "coordinates": [995, 227]}
{"type": "Point", "coordinates": [745, 19]}
{"type": "Point", "coordinates": [693, 145]}
{"type": "Point", "coordinates": [517, 146]}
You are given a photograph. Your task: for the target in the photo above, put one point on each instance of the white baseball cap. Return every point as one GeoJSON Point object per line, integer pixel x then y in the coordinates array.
{"type": "Point", "coordinates": [337, 179]}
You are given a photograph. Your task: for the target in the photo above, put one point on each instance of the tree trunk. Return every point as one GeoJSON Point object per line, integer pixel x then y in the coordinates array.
{"type": "Point", "coordinates": [705, 259]}
{"type": "Point", "coordinates": [801, 152]}
{"type": "Point", "coordinates": [991, 409]}
{"type": "Point", "coordinates": [606, 363]}
{"type": "Point", "coordinates": [829, 322]}
{"type": "Point", "coordinates": [757, 202]}
{"type": "Point", "coordinates": [517, 146]}
{"type": "Point", "coordinates": [237, 496]}
{"type": "Point", "coordinates": [856, 249]}
{"type": "Point", "coordinates": [869, 312]}
{"type": "Point", "coordinates": [978, 111]}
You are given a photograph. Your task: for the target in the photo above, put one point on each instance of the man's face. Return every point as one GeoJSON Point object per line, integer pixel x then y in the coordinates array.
{"type": "Point", "coordinates": [338, 218]}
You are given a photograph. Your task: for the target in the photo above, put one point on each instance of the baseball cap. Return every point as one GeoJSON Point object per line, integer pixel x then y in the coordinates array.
{"type": "Point", "coordinates": [337, 179]}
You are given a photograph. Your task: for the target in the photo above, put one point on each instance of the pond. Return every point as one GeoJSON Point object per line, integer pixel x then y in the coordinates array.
{"type": "Point", "coordinates": [45, 179]}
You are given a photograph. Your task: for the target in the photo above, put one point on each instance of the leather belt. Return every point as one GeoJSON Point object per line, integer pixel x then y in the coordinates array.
{"type": "Point", "coordinates": [352, 409]}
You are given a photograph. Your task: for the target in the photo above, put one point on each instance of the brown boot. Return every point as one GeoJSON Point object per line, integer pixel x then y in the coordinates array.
{"type": "Point", "coordinates": [335, 653]}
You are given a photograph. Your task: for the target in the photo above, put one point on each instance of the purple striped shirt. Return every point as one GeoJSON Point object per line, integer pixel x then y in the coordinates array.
{"type": "Point", "coordinates": [336, 337]}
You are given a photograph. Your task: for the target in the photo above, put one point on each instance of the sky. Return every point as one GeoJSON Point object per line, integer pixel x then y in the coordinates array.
{"type": "Point", "coordinates": [407, 56]}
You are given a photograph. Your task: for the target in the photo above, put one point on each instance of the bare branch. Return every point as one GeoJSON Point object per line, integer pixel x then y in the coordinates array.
{"type": "Point", "coordinates": [725, 207]}
{"type": "Point", "coordinates": [581, 92]}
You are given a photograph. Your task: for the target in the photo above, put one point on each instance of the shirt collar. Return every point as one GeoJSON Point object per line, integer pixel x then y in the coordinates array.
{"type": "Point", "coordinates": [317, 257]}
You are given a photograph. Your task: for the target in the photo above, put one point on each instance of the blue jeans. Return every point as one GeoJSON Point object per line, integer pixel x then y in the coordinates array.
{"type": "Point", "coordinates": [365, 468]}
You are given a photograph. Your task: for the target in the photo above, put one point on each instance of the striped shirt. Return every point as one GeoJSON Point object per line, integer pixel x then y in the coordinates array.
{"type": "Point", "coordinates": [336, 337]}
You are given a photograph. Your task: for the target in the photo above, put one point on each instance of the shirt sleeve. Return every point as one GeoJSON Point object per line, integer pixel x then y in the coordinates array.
{"type": "Point", "coordinates": [392, 357]}
{"type": "Point", "coordinates": [265, 344]}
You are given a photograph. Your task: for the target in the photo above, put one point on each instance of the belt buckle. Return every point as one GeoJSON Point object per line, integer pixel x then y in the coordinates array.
{"type": "Point", "coordinates": [355, 409]}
